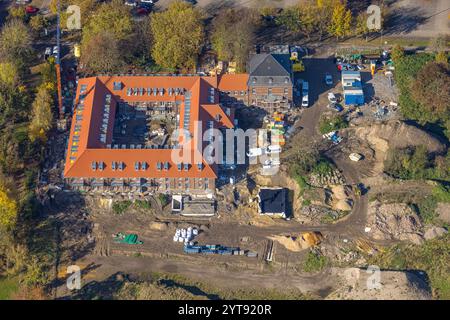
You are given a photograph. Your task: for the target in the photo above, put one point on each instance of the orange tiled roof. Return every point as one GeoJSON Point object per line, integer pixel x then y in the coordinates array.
{"type": "Point", "coordinates": [232, 82]}
{"type": "Point", "coordinates": [87, 145]}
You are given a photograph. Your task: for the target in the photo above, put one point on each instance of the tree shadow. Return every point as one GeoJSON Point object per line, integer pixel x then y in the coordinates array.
{"type": "Point", "coordinates": [404, 20]}
{"type": "Point", "coordinates": [191, 289]}
{"type": "Point", "coordinates": [99, 290]}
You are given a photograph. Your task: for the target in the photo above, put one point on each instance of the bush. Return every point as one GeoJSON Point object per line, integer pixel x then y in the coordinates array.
{"type": "Point", "coordinates": [314, 262]}
{"type": "Point", "coordinates": [442, 193]}
{"type": "Point", "coordinates": [142, 204]}
{"type": "Point", "coordinates": [328, 124]}
{"type": "Point", "coordinates": [416, 163]}
{"type": "Point", "coordinates": [323, 168]}
{"type": "Point", "coordinates": [163, 199]}
{"type": "Point", "coordinates": [121, 206]}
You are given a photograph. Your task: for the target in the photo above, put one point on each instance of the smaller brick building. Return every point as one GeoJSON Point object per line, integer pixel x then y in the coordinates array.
{"type": "Point", "coordinates": [270, 81]}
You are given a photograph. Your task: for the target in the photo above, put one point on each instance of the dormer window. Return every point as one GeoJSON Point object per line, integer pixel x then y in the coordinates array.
{"type": "Point", "coordinates": [286, 80]}
{"type": "Point", "coordinates": [270, 80]}
{"type": "Point", "coordinates": [254, 80]}
{"type": "Point", "coordinates": [117, 85]}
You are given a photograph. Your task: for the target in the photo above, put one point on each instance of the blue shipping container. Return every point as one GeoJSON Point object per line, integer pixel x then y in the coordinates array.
{"type": "Point", "coordinates": [354, 99]}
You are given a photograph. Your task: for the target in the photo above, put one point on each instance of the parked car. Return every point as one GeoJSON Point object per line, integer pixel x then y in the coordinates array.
{"type": "Point", "coordinates": [147, 1]}
{"type": "Point", "coordinates": [142, 11]}
{"type": "Point", "coordinates": [332, 97]}
{"type": "Point", "coordinates": [31, 9]}
{"type": "Point", "coordinates": [48, 52]}
{"type": "Point", "coordinates": [328, 79]}
{"type": "Point", "coordinates": [131, 3]}
{"type": "Point", "coordinates": [305, 98]}
{"type": "Point", "coordinates": [305, 101]}
{"type": "Point", "coordinates": [23, 1]}
{"type": "Point", "coordinates": [273, 149]}
{"type": "Point", "coordinates": [355, 157]}
{"type": "Point", "coordinates": [335, 106]}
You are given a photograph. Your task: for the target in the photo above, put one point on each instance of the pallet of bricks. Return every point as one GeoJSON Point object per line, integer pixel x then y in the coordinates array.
{"type": "Point", "coordinates": [277, 126]}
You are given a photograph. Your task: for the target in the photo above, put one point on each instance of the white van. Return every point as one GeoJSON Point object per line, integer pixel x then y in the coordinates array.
{"type": "Point", "coordinates": [274, 148]}
{"type": "Point", "coordinates": [305, 98]}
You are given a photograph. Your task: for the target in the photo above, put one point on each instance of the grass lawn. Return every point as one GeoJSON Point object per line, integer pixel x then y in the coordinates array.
{"type": "Point", "coordinates": [8, 286]}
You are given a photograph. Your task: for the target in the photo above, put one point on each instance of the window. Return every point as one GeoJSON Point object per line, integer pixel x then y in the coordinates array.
{"type": "Point", "coordinates": [269, 91]}
{"type": "Point", "coordinates": [253, 91]}
{"type": "Point", "coordinates": [117, 85]}
{"type": "Point", "coordinates": [286, 90]}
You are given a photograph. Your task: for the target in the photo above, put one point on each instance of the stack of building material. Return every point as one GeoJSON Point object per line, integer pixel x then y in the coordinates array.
{"type": "Point", "coordinates": [185, 235]}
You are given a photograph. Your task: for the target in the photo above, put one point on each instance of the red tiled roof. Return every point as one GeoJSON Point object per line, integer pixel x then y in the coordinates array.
{"type": "Point", "coordinates": [203, 98]}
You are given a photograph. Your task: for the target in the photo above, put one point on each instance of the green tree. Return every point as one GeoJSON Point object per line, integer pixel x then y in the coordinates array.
{"type": "Point", "coordinates": [178, 36]}
{"type": "Point", "coordinates": [113, 17]}
{"type": "Point", "coordinates": [41, 115]}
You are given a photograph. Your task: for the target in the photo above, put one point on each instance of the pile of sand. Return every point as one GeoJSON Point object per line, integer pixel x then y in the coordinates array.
{"type": "Point", "coordinates": [360, 284]}
{"type": "Point", "coordinates": [339, 198]}
{"type": "Point", "coordinates": [160, 226]}
{"type": "Point", "coordinates": [298, 243]}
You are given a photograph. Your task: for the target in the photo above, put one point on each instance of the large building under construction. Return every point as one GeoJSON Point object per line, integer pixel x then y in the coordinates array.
{"type": "Point", "coordinates": [122, 136]}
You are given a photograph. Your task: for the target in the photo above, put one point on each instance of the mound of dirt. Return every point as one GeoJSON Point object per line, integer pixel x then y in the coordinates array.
{"type": "Point", "coordinates": [298, 243]}
{"type": "Point", "coordinates": [394, 221]}
{"type": "Point", "coordinates": [443, 211]}
{"type": "Point", "coordinates": [361, 284]}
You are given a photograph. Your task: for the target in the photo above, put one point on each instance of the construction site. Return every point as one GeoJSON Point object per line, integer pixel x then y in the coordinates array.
{"type": "Point", "coordinates": [257, 225]}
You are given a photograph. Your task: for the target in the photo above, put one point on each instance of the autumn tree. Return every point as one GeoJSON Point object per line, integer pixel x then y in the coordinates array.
{"type": "Point", "coordinates": [442, 57]}
{"type": "Point", "coordinates": [41, 115]}
{"type": "Point", "coordinates": [431, 88]}
{"type": "Point", "coordinates": [15, 42]}
{"type": "Point", "coordinates": [397, 53]}
{"type": "Point", "coordinates": [322, 16]}
{"type": "Point", "coordinates": [9, 76]}
{"type": "Point", "coordinates": [178, 36]}
{"type": "Point", "coordinates": [8, 210]}
{"type": "Point", "coordinates": [17, 12]}
{"type": "Point", "coordinates": [361, 28]}
{"type": "Point", "coordinates": [101, 54]}
{"type": "Point", "coordinates": [38, 22]}
{"type": "Point", "coordinates": [233, 36]}
{"type": "Point", "coordinates": [341, 21]}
